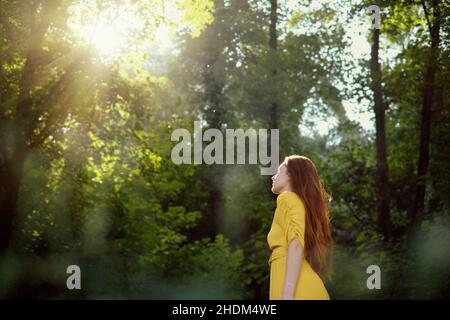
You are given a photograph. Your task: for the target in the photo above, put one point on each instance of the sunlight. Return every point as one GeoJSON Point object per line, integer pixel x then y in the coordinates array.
{"type": "Point", "coordinates": [163, 37]}
{"type": "Point", "coordinates": [105, 39]}
{"type": "Point", "coordinates": [114, 30]}
{"type": "Point", "coordinates": [110, 30]}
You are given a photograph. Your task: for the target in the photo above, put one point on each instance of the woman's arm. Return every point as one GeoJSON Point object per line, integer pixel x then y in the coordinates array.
{"type": "Point", "coordinates": [293, 264]}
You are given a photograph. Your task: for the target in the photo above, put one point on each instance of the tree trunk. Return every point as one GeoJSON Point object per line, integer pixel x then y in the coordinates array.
{"type": "Point", "coordinates": [19, 130]}
{"type": "Point", "coordinates": [425, 121]}
{"type": "Point", "coordinates": [384, 219]}
{"type": "Point", "coordinates": [10, 177]}
{"type": "Point", "coordinates": [13, 150]}
{"type": "Point", "coordinates": [273, 110]}
{"type": "Point", "coordinates": [215, 114]}
{"type": "Point", "coordinates": [273, 114]}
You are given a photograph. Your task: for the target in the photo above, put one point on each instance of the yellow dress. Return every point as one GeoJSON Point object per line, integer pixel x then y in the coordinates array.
{"type": "Point", "coordinates": [289, 222]}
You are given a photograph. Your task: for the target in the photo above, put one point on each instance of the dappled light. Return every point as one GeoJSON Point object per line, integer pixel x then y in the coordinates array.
{"type": "Point", "coordinates": [137, 140]}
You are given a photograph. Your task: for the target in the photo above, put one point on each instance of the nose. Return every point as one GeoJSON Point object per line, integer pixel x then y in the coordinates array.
{"type": "Point", "coordinates": [273, 178]}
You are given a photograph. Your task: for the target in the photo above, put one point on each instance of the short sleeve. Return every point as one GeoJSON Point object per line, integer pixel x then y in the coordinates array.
{"type": "Point", "coordinates": [293, 217]}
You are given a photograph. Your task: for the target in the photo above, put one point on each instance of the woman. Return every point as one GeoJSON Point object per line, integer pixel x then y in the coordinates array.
{"type": "Point", "coordinates": [300, 236]}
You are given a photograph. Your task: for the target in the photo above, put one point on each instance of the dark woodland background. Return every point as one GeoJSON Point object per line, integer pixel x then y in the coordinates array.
{"type": "Point", "coordinates": [86, 116]}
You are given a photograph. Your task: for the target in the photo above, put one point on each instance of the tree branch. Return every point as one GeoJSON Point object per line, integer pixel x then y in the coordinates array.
{"type": "Point", "coordinates": [427, 17]}
{"type": "Point", "coordinates": [56, 114]}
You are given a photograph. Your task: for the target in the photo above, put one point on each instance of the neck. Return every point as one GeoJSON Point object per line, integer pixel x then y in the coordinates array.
{"type": "Point", "coordinates": [288, 188]}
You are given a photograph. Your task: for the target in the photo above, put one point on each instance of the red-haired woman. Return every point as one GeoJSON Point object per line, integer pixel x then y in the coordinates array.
{"type": "Point", "coordinates": [300, 236]}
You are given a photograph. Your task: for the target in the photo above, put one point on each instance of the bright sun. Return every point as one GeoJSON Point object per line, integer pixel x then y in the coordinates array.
{"type": "Point", "coordinates": [118, 29]}
{"type": "Point", "coordinates": [105, 39]}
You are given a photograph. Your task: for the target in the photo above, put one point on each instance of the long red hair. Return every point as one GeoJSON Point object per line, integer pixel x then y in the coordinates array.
{"type": "Point", "coordinates": [306, 184]}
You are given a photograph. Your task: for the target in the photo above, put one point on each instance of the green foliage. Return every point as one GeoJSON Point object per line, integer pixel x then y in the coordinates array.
{"type": "Point", "coordinates": [98, 187]}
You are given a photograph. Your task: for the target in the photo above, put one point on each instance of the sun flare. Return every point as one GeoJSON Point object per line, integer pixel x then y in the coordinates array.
{"type": "Point", "coordinates": [117, 29]}
{"type": "Point", "coordinates": [107, 40]}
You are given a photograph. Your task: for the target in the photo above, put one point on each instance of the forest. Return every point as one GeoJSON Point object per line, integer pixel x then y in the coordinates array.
{"type": "Point", "coordinates": [91, 93]}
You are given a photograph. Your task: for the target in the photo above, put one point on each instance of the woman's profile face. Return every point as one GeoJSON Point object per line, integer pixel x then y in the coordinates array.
{"type": "Point", "coordinates": [280, 181]}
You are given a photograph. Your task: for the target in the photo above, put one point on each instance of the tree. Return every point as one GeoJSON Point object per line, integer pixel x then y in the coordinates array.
{"type": "Point", "coordinates": [52, 72]}
{"type": "Point", "coordinates": [384, 220]}
{"type": "Point", "coordinates": [434, 25]}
